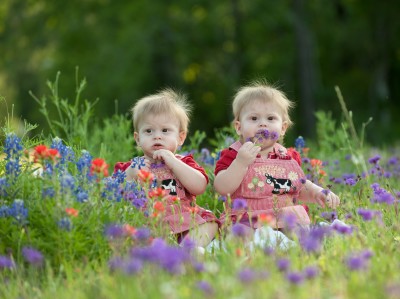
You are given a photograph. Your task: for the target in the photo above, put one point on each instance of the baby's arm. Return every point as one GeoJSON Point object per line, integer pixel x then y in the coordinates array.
{"type": "Point", "coordinates": [314, 193]}
{"type": "Point", "coordinates": [193, 180]}
{"type": "Point", "coordinates": [228, 180]}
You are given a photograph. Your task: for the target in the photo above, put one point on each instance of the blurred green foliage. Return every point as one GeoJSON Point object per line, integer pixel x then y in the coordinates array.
{"type": "Point", "coordinates": [207, 49]}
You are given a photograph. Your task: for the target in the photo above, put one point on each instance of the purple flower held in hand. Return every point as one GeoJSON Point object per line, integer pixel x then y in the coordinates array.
{"type": "Point", "coordinates": [274, 136]}
{"type": "Point", "coordinates": [32, 256]}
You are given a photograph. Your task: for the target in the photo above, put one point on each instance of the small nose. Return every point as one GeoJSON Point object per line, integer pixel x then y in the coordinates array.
{"type": "Point", "coordinates": [157, 135]}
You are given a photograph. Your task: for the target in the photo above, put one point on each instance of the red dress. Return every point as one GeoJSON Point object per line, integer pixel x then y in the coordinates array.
{"type": "Point", "coordinates": [270, 188]}
{"type": "Point", "coordinates": [186, 214]}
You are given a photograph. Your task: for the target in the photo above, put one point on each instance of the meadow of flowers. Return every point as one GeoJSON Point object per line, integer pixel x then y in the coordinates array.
{"type": "Point", "coordinates": [71, 229]}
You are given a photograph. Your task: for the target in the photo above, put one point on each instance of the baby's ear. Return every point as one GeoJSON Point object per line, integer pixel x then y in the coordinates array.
{"type": "Point", "coordinates": [182, 137]}
{"type": "Point", "coordinates": [237, 126]}
{"type": "Point", "coordinates": [284, 127]}
{"type": "Point", "coordinates": [136, 137]}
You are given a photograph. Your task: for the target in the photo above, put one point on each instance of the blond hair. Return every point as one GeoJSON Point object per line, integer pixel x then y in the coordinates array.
{"type": "Point", "coordinates": [166, 101]}
{"type": "Point", "coordinates": [263, 92]}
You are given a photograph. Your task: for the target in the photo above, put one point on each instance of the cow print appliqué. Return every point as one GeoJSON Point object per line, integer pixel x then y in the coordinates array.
{"type": "Point", "coordinates": [279, 185]}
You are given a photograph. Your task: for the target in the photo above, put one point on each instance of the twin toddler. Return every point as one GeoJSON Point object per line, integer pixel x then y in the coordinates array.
{"type": "Point", "coordinates": [262, 179]}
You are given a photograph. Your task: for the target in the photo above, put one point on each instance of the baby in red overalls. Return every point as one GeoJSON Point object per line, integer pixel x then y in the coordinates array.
{"type": "Point", "coordinates": [258, 171]}
{"type": "Point", "coordinates": [161, 124]}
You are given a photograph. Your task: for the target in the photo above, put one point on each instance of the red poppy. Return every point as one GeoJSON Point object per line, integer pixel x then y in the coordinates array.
{"type": "Point", "coordinates": [158, 193]}
{"type": "Point", "coordinates": [159, 206]}
{"type": "Point", "coordinates": [72, 212]}
{"type": "Point", "coordinates": [265, 218]}
{"type": "Point", "coordinates": [129, 230]}
{"type": "Point", "coordinates": [41, 152]}
{"type": "Point", "coordinates": [315, 162]}
{"type": "Point", "coordinates": [99, 166]}
{"type": "Point", "coordinates": [193, 210]}
{"type": "Point", "coordinates": [145, 176]}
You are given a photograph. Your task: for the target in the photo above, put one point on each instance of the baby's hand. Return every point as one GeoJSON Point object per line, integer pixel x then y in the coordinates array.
{"type": "Point", "coordinates": [332, 200]}
{"type": "Point", "coordinates": [164, 155]}
{"type": "Point", "coordinates": [248, 153]}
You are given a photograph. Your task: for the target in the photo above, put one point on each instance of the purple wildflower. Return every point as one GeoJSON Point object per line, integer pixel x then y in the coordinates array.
{"type": "Point", "coordinates": [6, 262]}
{"type": "Point", "coordinates": [393, 160]}
{"type": "Point", "coordinates": [188, 244]}
{"type": "Point", "coordinates": [142, 234]}
{"type": "Point", "coordinates": [114, 231]}
{"type": "Point", "coordinates": [311, 240]}
{"type": "Point", "coordinates": [198, 267]}
{"type": "Point", "coordinates": [337, 180]}
{"type": "Point", "coordinates": [325, 191]}
{"type": "Point", "coordinates": [32, 256]}
{"type": "Point", "coordinates": [115, 263]}
{"type": "Point", "coordinates": [239, 204]}
{"type": "Point", "coordinates": [239, 230]}
{"type": "Point", "coordinates": [374, 160]}
{"type": "Point", "coordinates": [222, 198]}
{"type": "Point", "coordinates": [246, 275]}
{"type": "Point", "coordinates": [381, 195]}
{"type": "Point", "coordinates": [268, 250]}
{"type": "Point", "coordinates": [290, 221]}
{"type": "Point", "coordinates": [311, 272]}
{"type": "Point", "coordinates": [132, 266]}
{"type": "Point", "coordinates": [274, 136]}
{"type": "Point", "coordinates": [295, 277]}
{"type": "Point", "coordinates": [205, 287]}
{"type": "Point", "coordinates": [342, 228]}
{"type": "Point", "coordinates": [350, 181]}
{"type": "Point", "coordinates": [367, 215]}
{"type": "Point", "coordinates": [329, 216]}
{"type": "Point", "coordinates": [283, 264]}
{"type": "Point", "coordinates": [358, 261]}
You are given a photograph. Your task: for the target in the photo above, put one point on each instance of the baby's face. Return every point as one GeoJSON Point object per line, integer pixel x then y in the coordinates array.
{"type": "Point", "coordinates": [159, 131]}
{"type": "Point", "coordinates": [258, 116]}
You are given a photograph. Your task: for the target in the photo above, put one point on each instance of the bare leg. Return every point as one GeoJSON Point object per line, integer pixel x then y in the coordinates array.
{"type": "Point", "coordinates": [203, 234]}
